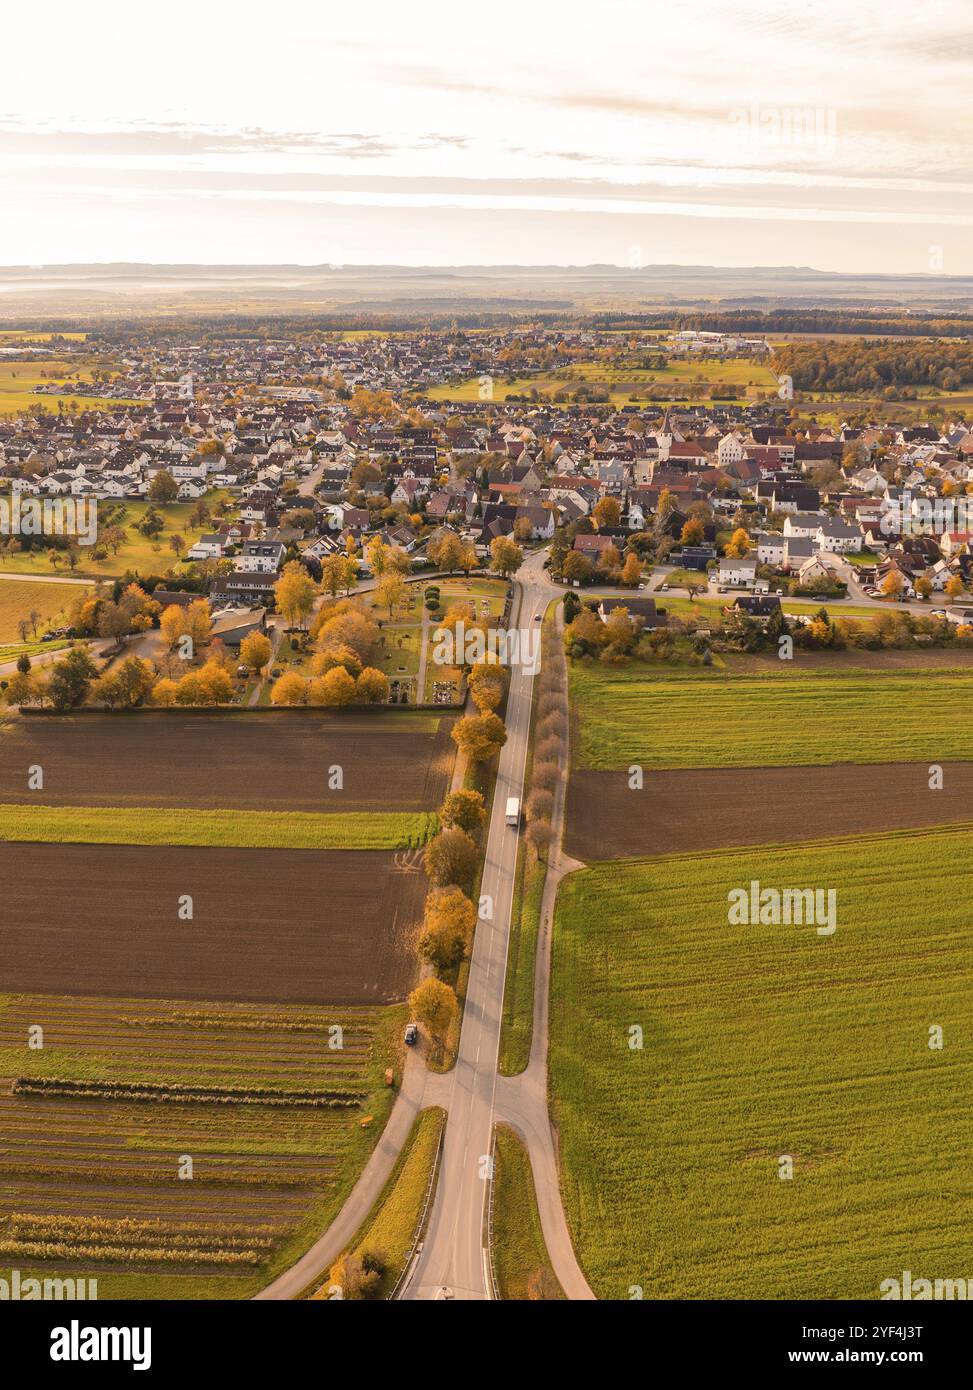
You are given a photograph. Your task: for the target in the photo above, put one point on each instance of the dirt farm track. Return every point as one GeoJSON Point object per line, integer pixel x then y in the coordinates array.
{"type": "Point", "coordinates": [709, 808]}
{"type": "Point", "coordinates": [268, 762]}
{"type": "Point", "coordinates": [293, 926]}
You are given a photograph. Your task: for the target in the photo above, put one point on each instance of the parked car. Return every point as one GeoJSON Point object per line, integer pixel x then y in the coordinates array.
{"type": "Point", "coordinates": [937, 612]}
{"type": "Point", "coordinates": [411, 1034]}
{"type": "Point", "coordinates": [664, 588]}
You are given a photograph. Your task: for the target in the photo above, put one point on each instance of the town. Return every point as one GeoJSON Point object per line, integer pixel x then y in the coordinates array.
{"type": "Point", "coordinates": [227, 465]}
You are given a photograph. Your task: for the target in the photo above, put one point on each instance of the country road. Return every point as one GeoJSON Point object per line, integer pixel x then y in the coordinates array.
{"type": "Point", "coordinates": [454, 1256]}
{"type": "Point", "coordinates": [49, 578]}
{"type": "Point", "coordinates": [522, 1100]}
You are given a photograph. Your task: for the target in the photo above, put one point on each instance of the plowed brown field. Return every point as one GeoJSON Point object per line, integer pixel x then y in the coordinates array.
{"type": "Point", "coordinates": [682, 809]}
{"type": "Point", "coordinates": [389, 762]}
{"type": "Point", "coordinates": [300, 926]}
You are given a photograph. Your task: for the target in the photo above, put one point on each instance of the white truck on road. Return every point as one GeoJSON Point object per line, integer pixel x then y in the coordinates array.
{"type": "Point", "coordinates": [513, 811]}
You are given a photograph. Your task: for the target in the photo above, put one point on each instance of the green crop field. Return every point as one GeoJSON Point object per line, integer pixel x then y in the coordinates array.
{"type": "Point", "coordinates": [11, 651]}
{"type": "Point", "coordinates": [622, 382]}
{"type": "Point", "coordinates": [670, 717]}
{"type": "Point", "coordinates": [153, 825]}
{"type": "Point", "coordinates": [19, 599]}
{"type": "Point", "coordinates": [760, 1043]}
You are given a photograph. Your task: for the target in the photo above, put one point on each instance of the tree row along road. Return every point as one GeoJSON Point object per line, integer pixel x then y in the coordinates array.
{"type": "Point", "coordinates": [454, 1255]}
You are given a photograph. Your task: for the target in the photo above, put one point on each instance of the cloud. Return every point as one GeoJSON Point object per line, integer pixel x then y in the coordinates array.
{"type": "Point", "coordinates": [175, 139]}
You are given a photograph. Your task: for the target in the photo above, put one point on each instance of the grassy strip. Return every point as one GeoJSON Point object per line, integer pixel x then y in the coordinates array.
{"type": "Point", "coordinates": [13, 651]}
{"type": "Point", "coordinates": [393, 1224]}
{"type": "Point", "coordinates": [520, 1257]}
{"type": "Point", "coordinates": [758, 1042]}
{"type": "Point", "coordinates": [712, 608]}
{"type": "Point", "coordinates": [517, 1028]}
{"type": "Point", "coordinates": [518, 998]}
{"type": "Point", "coordinates": [670, 717]}
{"type": "Point", "coordinates": [154, 825]}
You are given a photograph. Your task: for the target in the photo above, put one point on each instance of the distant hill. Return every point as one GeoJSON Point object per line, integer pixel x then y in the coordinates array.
{"type": "Point", "coordinates": [126, 289]}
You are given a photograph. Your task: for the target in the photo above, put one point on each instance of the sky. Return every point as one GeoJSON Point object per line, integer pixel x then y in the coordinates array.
{"type": "Point", "coordinates": [829, 133]}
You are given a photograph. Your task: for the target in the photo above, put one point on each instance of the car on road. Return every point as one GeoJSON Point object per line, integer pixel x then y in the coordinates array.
{"type": "Point", "coordinates": [537, 617]}
{"type": "Point", "coordinates": [411, 1034]}
{"type": "Point", "coordinates": [512, 815]}
{"type": "Point", "coordinates": [937, 612]}
{"type": "Point", "coordinates": [663, 588]}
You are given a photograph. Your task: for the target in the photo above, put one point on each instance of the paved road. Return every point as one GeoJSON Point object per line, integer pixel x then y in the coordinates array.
{"type": "Point", "coordinates": [98, 647]}
{"type": "Point", "coordinates": [308, 485]}
{"type": "Point", "coordinates": [50, 578]}
{"type": "Point", "coordinates": [454, 1254]}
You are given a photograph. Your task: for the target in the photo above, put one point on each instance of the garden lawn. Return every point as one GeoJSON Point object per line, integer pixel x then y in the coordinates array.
{"type": "Point", "coordinates": [144, 554]}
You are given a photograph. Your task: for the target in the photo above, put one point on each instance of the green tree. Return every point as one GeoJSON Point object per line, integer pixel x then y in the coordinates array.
{"type": "Point", "coordinates": [71, 678]}
{"type": "Point", "coordinates": [163, 487]}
